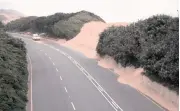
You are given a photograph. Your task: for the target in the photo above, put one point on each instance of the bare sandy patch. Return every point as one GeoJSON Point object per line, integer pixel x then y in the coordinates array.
{"type": "Point", "coordinates": [86, 42]}
{"type": "Point", "coordinates": [134, 77]}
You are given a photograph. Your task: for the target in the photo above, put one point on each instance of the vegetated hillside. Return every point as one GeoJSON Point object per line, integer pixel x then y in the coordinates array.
{"type": "Point", "coordinates": [59, 25]}
{"type": "Point", "coordinates": [21, 24]}
{"type": "Point", "coordinates": [7, 15]}
{"type": "Point", "coordinates": [13, 74]}
{"type": "Point", "coordinates": [151, 44]}
{"type": "Point", "coordinates": [71, 27]}
{"type": "Point", "coordinates": [2, 18]}
{"type": "Point", "coordinates": [1, 25]}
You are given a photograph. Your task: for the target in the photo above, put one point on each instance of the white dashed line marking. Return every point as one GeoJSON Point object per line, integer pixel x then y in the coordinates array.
{"type": "Point", "coordinates": [65, 89]}
{"type": "Point", "coordinates": [57, 70]}
{"type": "Point", "coordinates": [97, 85]}
{"type": "Point", "coordinates": [53, 64]}
{"type": "Point", "coordinates": [49, 57]}
{"type": "Point", "coordinates": [60, 78]}
{"type": "Point", "coordinates": [46, 54]}
{"type": "Point", "coordinates": [57, 49]}
{"type": "Point", "coordinates": [73, 106]}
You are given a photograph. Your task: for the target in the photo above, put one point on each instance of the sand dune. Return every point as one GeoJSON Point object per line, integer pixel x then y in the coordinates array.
{"type": "Point", "coordinates": [10, 15]}
{"type": "Point", "coordinates": [86, 42]}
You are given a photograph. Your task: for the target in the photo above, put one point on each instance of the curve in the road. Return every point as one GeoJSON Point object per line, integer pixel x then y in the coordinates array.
{"type": "Point", "coordinates": [109, 99]}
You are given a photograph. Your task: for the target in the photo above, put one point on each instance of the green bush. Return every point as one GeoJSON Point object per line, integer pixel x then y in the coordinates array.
{"type": "Point", "coordinates": [151, 43]}
{"type": "Point", "coordinates": [160, 49]}
{"type": "Point", "coordinates": [121, 43]}
{"type": "Point", "coordinates": [70, 27]}
{"type": "Point", "coordinates": [21, 24]}
{"type": "Point", "coordinates": [1, 25]}
{"type": "Point", "coordinates": [13, 74]}
{"type": "Point", "coordinates": [59, 25]}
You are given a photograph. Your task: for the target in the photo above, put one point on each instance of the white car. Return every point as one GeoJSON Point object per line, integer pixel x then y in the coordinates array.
{"type": "Point", "coordinates": [36, 37]}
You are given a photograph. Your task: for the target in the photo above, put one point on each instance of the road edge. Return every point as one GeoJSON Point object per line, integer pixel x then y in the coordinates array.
{"type": "Point", "coordinates": [29, 105]}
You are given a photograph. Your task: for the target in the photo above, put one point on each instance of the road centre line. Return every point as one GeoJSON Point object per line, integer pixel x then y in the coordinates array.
{"type": "Point", "coordinates": [60, 78]}
{"type": "Point", "coordinates": [115, 104]}
{"type": "Point", "coordinates": [65, 89]}
{"type": "Point", "coordinates": [73, 106]}
{"type": "Point", "coordinates": [101, 90]}
{"type": "Point", "coordinates": [57, 70]}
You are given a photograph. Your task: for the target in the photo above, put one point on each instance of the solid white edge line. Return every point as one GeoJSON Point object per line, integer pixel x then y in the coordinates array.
{"type": "Point", "coordinates": [31, 82]}
{"type": "Point", "coordinates": [73, 106]}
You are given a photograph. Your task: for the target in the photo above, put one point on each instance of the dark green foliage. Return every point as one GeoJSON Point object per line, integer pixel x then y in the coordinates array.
{"type": "Point", "coordinates": [60, 25]}
{"type": "Point", "coordinates": [13, 74]}
{"type": "Point", "coordinates": [160, 49]}
{"type": "Point", "coordinates": [2, 17]}
{"type": "Point", "coordinates": [151, 44]}
{"type": "Point", "coordinates": [69, 28]}
{"type": "Point", "coordinates": [21, 24]}
{"type": "Point", "coordinates": [121, 43]}
{"type": "Point", "coordinates": [1, 25]}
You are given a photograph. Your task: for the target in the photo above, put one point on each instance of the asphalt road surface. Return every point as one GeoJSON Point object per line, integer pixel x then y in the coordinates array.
{"type": "Point", "coordinates": [65, 80]}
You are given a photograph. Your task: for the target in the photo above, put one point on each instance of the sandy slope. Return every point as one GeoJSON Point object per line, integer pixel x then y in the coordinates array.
{"type": "Point", "coordinates": [86, 42]}
{"type": "Point", "coordinates": [10, 15]}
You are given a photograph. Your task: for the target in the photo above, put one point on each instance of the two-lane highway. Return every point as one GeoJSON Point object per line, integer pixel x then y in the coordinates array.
{"type": "Point", "coordinates": [64, 80]}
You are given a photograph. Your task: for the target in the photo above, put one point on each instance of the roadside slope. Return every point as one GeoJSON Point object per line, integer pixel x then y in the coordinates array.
{"type": "Point", "coordinates": [86, 41]}
{"type": "Point", "coordinates": [13, 74]}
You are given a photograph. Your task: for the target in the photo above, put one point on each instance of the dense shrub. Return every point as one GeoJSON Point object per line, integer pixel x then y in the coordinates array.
{"type": "Point", "coordinates": [2, 18]}
{"type": "Point", "coordinates": [21, 24]}
{"type": "Point", "coordinates": [70, 27]}
{"type": "Point", "coordinates": [151, 43]}
{"type": "Point", "coordinates": [160, 49]}
{"type": "Point", "coordinates": [60, 25]}
{"type": "Point", "coordinates": [1, 25]}
{"type": "Point", "coordinates": [13, 74]}
{"type": "Point", "coordinates": [121, 43]}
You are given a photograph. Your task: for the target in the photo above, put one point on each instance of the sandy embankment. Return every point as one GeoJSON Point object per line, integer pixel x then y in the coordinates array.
{"type": "Point", "coordinates": [86, 42]}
